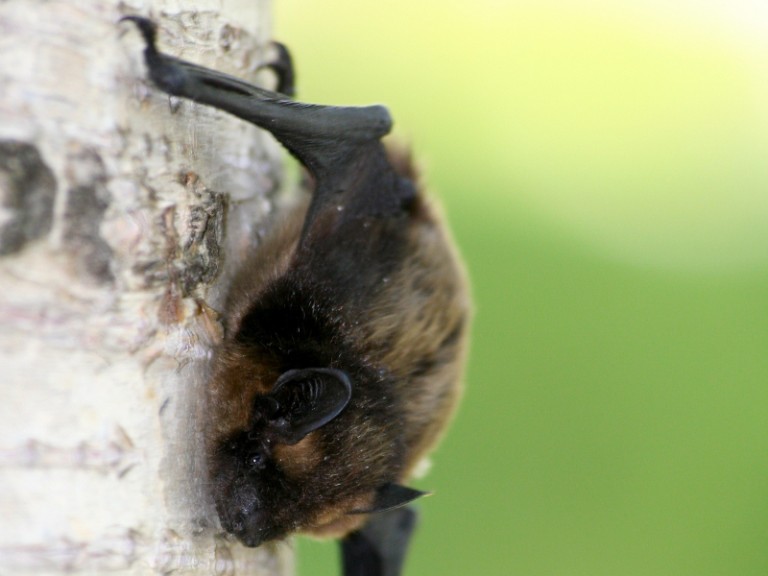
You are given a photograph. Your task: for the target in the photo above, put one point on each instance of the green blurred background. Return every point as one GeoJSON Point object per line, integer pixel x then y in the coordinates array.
{"type": "Point", "coordinates": [604, 166]}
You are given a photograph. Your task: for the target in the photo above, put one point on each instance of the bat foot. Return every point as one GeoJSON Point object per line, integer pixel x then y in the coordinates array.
{"type": "Point", "coordinates": [282, 66]}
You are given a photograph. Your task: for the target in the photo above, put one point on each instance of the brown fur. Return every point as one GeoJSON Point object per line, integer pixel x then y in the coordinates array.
{"type": "Point", "coordinates": [416, 329]}
{"type": "Point", "coordinates": [419, 326]}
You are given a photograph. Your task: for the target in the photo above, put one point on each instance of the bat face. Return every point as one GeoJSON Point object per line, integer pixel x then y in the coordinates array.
{"type": "Point", "coordinates": [291, 450]}
{"type": "Point", "coordinates": [263, 473]}
{"type": "Point", "coordinates": [345, 334]}
{"type": "Point", "coordinates": [245, 470]}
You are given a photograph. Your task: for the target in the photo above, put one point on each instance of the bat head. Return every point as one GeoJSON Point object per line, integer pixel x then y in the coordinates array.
{"type": "Point", "coordinates": [274, 478]}
{"type": "Point", "coordinates": [247, 475]}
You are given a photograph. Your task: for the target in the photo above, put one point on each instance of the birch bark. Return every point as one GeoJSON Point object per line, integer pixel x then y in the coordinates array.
{"type": "Point", "coordinates": [122, 216]}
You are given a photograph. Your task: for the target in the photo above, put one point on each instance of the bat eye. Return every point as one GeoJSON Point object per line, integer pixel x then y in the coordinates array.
{"type": "Point", "coordinates": [255, 460]}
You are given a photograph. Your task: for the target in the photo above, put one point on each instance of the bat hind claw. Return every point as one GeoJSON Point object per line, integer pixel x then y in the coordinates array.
{"type": "Point", "coordinates": [282, 66]}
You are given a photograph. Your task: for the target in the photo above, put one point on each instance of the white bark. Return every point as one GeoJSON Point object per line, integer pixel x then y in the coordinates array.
{"type": "Point", "coordinates": [116, 210]}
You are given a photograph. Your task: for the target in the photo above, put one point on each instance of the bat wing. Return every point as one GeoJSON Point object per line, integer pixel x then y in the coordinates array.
{"type": "Point", "coordinates": [356, 224]}
{"type": "Point", "coordinates": [380, 546]}
{"type": "Point", "coordinates": [339, 145]}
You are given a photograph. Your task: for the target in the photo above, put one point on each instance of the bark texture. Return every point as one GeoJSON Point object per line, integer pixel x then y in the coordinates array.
{"type": "Point", "coordinates": [122, 216]}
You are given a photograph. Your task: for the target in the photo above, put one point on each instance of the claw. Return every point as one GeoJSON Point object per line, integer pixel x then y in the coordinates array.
{"type": "Point", "coordinates": [147, 28]}
{"type": "Point", "coordinates": [282, 66]}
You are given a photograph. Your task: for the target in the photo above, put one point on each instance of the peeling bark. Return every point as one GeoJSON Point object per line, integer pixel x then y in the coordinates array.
{"type": "Point", "coordinates": [122, 217]}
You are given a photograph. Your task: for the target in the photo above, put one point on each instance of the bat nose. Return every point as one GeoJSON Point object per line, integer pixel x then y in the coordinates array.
{"type": "Point", "coordinates": [245, 520]}
{"type": "Point", "coordinates": [238, 523]}
{"type": "Point", "coordinates": [246, 528]}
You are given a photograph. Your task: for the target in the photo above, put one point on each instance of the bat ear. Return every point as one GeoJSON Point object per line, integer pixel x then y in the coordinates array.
{"type": "Point", "coordinates": [307, 399]}
{"type": "Point", "coordinates": [390, 496]}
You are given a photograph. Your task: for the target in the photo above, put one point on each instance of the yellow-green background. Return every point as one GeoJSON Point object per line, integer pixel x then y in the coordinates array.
{"type": "Point", "coordinates": [604, 166]}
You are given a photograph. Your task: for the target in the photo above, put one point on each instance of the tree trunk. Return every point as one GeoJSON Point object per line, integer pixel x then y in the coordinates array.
{"type": "Point", "coordinates": [122, 215]}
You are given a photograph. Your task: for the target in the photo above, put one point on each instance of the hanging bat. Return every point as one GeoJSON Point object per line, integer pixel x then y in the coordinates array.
{"type": "Point", "coordinates": [345, 332]}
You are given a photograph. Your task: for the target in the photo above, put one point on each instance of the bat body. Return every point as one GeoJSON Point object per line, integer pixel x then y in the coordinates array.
{"type": "Point", "coordinates": [345, 333]}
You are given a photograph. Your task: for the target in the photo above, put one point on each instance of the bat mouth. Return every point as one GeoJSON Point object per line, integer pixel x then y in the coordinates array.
{"type": "Point", "coordinates": [241, 514]}
{"type": "Point", "coordinates": [250, 539]}
{"type": "Point", "coordinates": [246, 528]}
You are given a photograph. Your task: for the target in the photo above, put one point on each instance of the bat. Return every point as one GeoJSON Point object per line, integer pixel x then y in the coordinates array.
{"type": "Point", "coordinates": [345, 331]}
